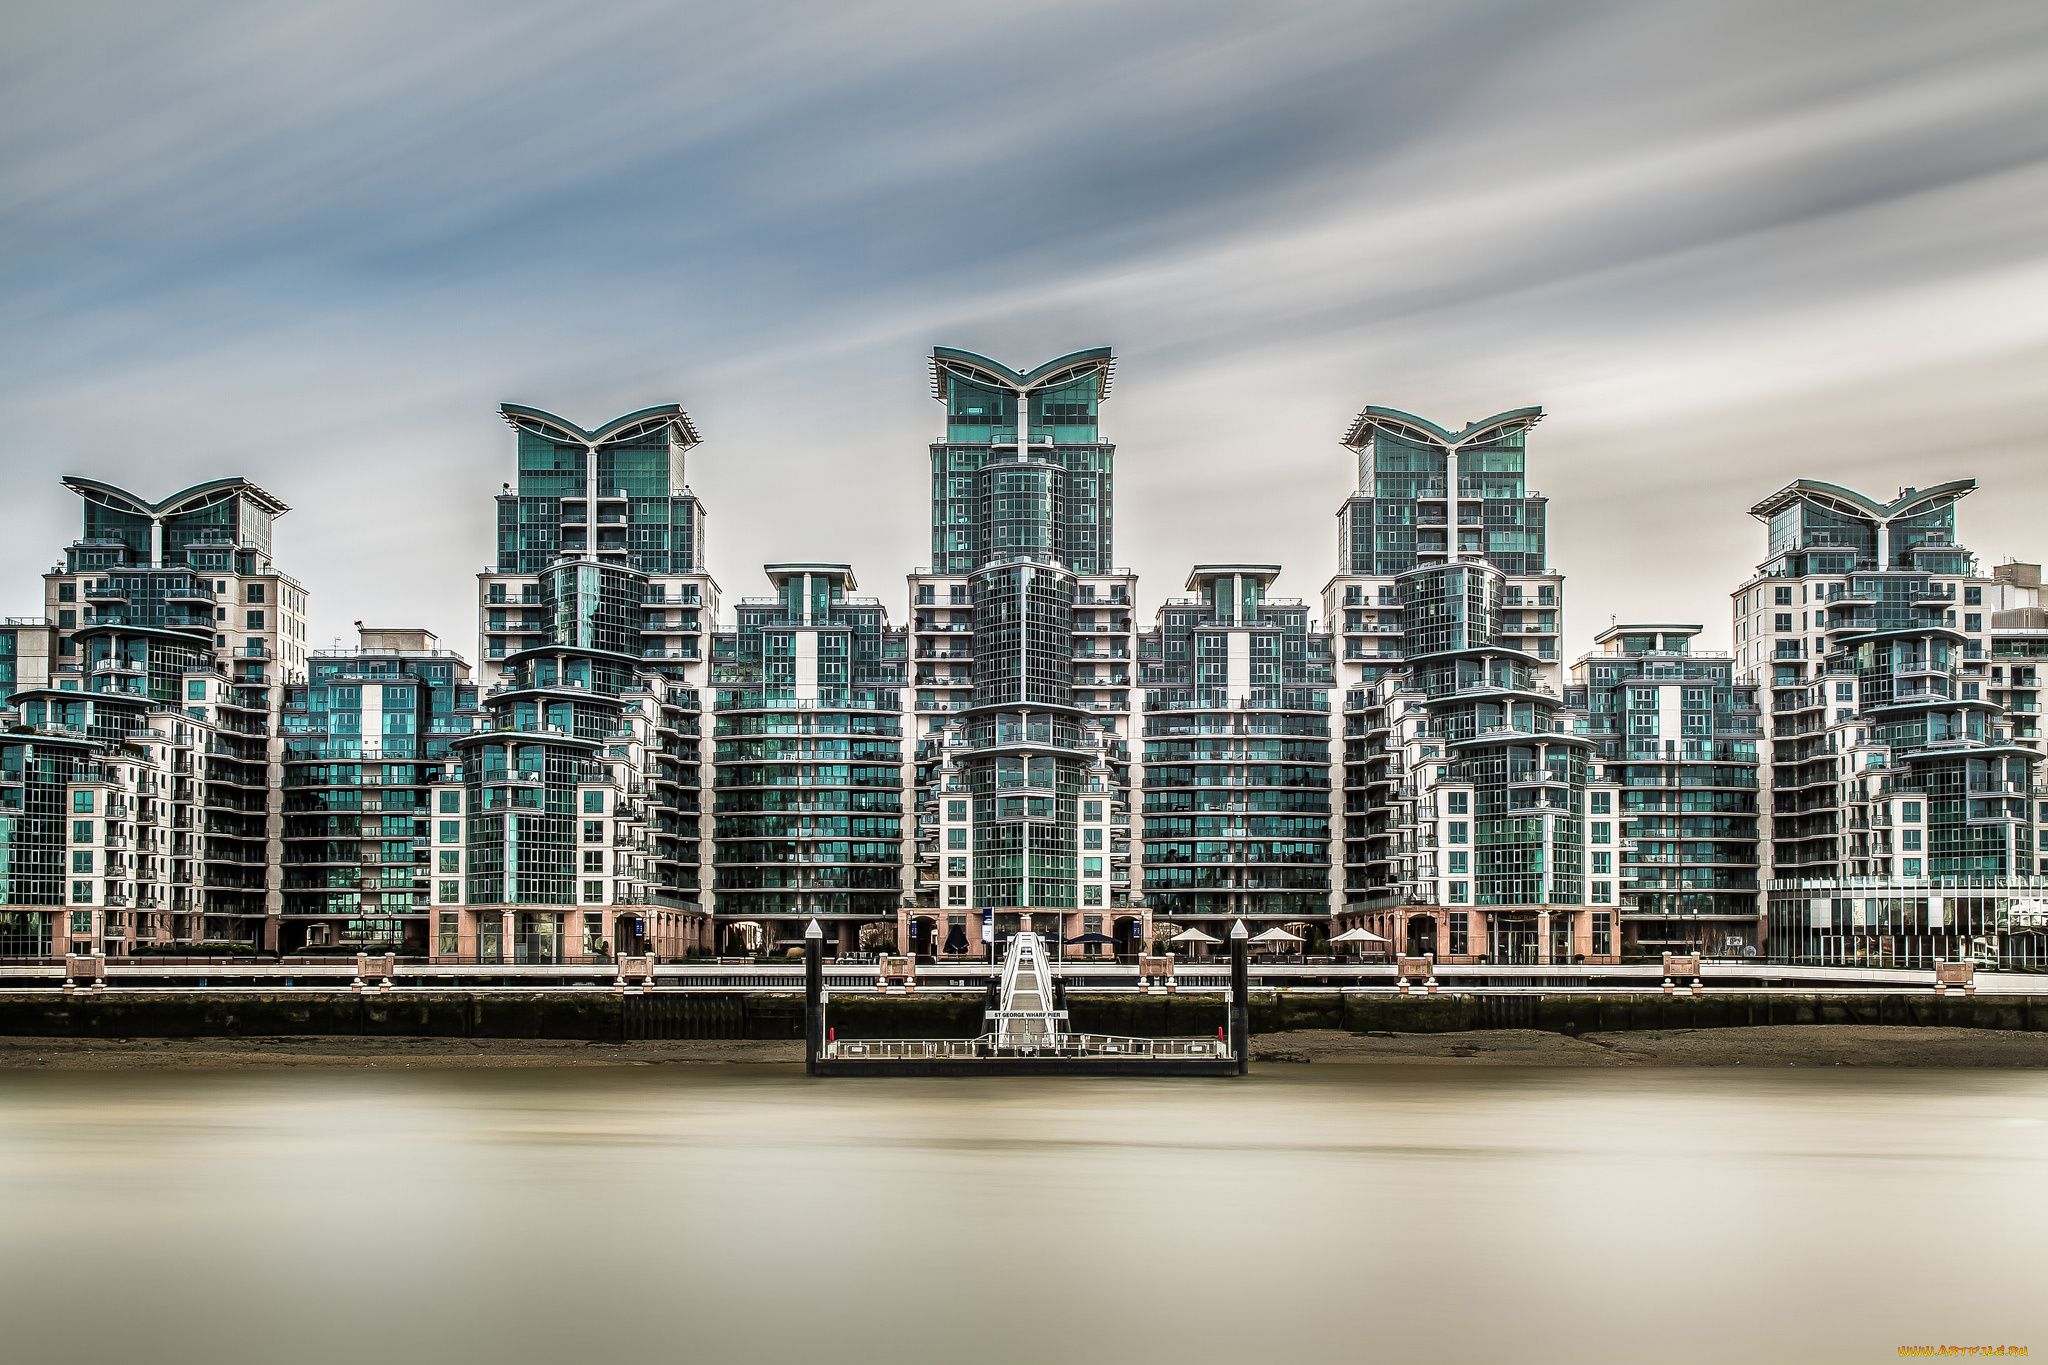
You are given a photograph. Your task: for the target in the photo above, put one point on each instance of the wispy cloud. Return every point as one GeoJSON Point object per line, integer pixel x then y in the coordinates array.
{"type": "Point", "coordinates": [1725, 244]}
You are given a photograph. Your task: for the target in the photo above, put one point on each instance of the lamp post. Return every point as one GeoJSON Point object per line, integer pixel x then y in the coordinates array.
{"type": "Point", "coordinates": [814, 996]}
{"type": "Point", "coordinates": [1240, 996]}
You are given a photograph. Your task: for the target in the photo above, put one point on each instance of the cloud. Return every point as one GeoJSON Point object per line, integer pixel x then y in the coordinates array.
{"type": "Point", "coordinates": [1724, 244]}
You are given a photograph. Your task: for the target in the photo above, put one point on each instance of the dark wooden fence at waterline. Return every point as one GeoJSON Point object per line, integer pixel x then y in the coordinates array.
{"type": "Point", "coordinates": [662, 1016]}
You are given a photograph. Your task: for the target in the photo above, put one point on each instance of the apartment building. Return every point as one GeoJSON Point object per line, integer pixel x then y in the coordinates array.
{"type": "Point", "coordinates": [138, 781]}
{"type": "Point", "coordinates": [811, 774]}
{"type": "Point", "coordinates": [1671, 816]}
{"type": "Point", "coordinates": [1236, 762]}
{"type": "Point", "coordinates": [1465, 782]}
{"type": "Point", "coordinates": [177, 767]}
{"type": "Point", "coordinates": [1901, 790]}
{"type": "Point", "coordinates": [1022, 643]}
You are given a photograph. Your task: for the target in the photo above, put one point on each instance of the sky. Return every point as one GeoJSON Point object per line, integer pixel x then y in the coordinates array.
{"type": "Point", "coordinates": [1724, 245]}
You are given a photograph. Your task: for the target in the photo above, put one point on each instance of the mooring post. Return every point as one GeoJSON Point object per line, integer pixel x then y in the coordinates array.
{"type": "Point", "coordinates": [1240, 997]}
{"type": "Point", "coordinates": [814, 997]}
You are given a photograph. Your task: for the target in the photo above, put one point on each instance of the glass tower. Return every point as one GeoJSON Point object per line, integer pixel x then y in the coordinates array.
{"type": "Point", "coordinates": [1678, 733]}
{"type": "Point", "coordinates": [1022, 514]}
{"type": "Point", "coordinates": [1465, 789]}
{"type": "Point", "coordinates": [1237, 758]}
{"type": "Point", "coordinates": [1903, 737]}
{"type": "Point", "coordinates": [808, 805]}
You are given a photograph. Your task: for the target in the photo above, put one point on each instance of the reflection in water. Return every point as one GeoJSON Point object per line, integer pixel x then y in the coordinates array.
{"type": "Point", "coordinates": [740, 1213]}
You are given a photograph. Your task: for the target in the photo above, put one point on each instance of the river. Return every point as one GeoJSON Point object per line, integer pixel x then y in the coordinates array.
{"type": "Point", "coordinates": [747, 1214]}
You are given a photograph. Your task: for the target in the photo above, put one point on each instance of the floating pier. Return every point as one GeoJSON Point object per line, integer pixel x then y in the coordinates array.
{"type": "Point", "coordinates": [1026, 1032]}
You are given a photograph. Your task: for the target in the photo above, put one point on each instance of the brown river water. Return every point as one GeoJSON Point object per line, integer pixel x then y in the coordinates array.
{"type": "Point", "coordinates": [739, 1213]}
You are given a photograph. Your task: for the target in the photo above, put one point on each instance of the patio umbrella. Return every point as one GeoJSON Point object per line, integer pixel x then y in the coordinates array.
{"type": "Point", "coordinates": [1358, 936]}
{"type": "Point", "coordinates": [1194, 936]}
{"type": "Point", "coordinates": [1091, 938]}
{"type": "Point", "coordinates": [1276, 935]}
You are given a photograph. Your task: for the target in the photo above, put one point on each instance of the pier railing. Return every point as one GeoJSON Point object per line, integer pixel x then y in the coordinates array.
{"type": "Point", "coordinates": [1052, 1045]}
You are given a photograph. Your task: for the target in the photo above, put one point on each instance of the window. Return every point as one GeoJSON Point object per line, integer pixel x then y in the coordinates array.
{"type": "Point", "coordinates": [593, 860]}
{"type": "Point", "coordinates": [451, 860]}
{"type": "Point", "coordinates": [593, 831]}
{"type": "Point", "coordinates": [1973, 597]}
{"type": "Point", "coordinates": [1091, 838]}
{"type": "Point", "coordinates": [1845, 691]}
{"type": "Point", "coordinates": [1458, 863]}
{"type": "Point", "coordinates": [195, 689]}
{"type": "Point", "coordinates": [957, 810]}
{"type": "Point", "coordinates": [254, 591]}
{"type": "Point", "coordinates": [255, 619]}
{"type": "Point", "coordinates": [956, 838]}
{"type": "Point", "coordinates": [81, 802]}
{"type": "Point", "coordinates": [956, 867]}
{"type": "Point", "coordinates": [451, 831]}
{"type": "Point", "coordinates": [1784, 622]}
{"type": "Point", "coordinates": [81, 860]}
{"type": "Point", "coordinates": [1092, 895]}
{"type": "Point", "coordinates": [1457, 832]}
{"type": "Point", "coordinates": [1091, 810]}
{"type": "Point", "coordinates": [593, 803]}
{"type": "Point", "coordinates": [1783, 599]}
{"type": "Point", "coordinates": [1909, 811]}
{"type": "Point", "coordinates": [1603, 933]}
{"type": "Point", "coordinates": [1909, 839]}
{"type": "Point", "coordinates": [1458, 893]}
{"type": "Point", "coordinates": [81, 831]}
{"type": "Point", "coordinates": [1091, 867]}
{"type": "Point", "coordinates": [68, 592]}
{"type": "Point", "coordinates": [1603, 864]}
{"type": "Point", "coordinates": [67, 620]}
{"type": "Point", "coordinates": [450, 894]}
{"type": "Point", "coordinates": [1460, 933]}
{"type": "Point", "coordinates": [451, 803]}
{"type": "Point", "coordinates": [1972, 621]}
{"type": "Point", "coordinates": [956, 895]}
{"type": "Point", "coordinates": [1603, 803]}
{"type": "Point", "coordinates": [1603, 832]}
{"type": "Point", "coordinates": [1455, 802]}
{"type": "Point", "coordinates": [1912, 866]}
{"type": "Point", "coordinates": [1603, 894]}
{"type": "Point", "coordinates": [593, 891]}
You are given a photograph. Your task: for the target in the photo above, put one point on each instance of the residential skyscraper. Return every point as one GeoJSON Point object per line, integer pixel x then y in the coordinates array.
{"type": "Point", "coordinates": [1901, 774]}
{"type": "Point", "coordinates": [1676, 738]}
{"type": "Point", "coordinates": [1024, 739]}
{"type": "Point", "coordinates": [368, 739]}
{"type": "Point", "coordinates": [1465, 785]}
{"type": "Point", "coordinates": [809, 799]}
{"type": "Point", "coordinates": [147, 788]}
{"type": "Point", "coordinates": [1237, 818]}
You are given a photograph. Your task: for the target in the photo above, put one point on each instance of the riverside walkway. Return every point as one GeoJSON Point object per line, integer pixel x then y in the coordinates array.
{"type": "Point", "coordinates": [1195, 978]}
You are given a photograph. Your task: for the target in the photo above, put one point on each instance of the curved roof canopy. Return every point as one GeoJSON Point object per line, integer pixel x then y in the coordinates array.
{"type": "Point", "coordinates": [1074, 365]}
{"type": "Point", "coordinates": [1413, 428]}
{"type": "Point", "coordinates": [633, 424]}
{"type": "Point", "coordinates": [1840, 499]}
{"type": "Point", "coordinates": [185, 500]}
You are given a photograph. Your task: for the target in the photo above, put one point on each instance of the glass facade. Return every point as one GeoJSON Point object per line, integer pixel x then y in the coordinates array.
{"type": "Point", "coordinates": [1023, 503]}
{"type": "Point", "coordinates": [615, 494]}
{"type": "Point", "coordinates": [1678, 735]}
{"type": "Point", "coordinates": [1237, 756]}
{"type": "Point", "coordinates": [808, 800]}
